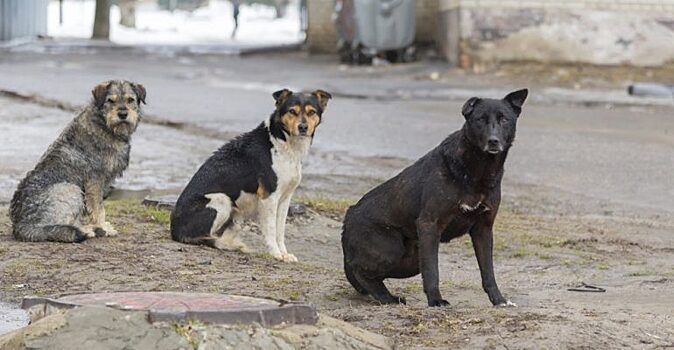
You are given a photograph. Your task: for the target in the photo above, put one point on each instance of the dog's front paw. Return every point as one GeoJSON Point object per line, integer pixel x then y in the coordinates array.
{"type": "Point", "coordinates": [507, 303]}
{"type": "Point", "coordinates": [243, 248]}
{"type": "Point", "coordinates": [399, 300]}
{"type": "Point", "coordinates": [438, 302]}
{"type": "Point", "coordinates": [109, 230]}
{"type": "Point", "coordinates": [288, 258]}
{"type": "Point", "coordinates": [88, 232]}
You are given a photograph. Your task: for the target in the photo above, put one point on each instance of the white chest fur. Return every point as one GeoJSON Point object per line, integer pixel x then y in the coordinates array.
{"type": "Point", "coordinates": [286, 157]}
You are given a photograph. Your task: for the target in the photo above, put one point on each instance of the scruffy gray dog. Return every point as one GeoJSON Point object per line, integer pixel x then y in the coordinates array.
{"type": "Point", "coordinates": [61, 200]}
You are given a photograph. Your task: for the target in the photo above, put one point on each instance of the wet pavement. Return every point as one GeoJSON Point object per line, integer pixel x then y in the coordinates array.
{"type": "Point", "coordinates": [11, 317]}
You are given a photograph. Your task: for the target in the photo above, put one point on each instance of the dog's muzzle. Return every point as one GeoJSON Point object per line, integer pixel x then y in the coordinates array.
{"type": "Point", "coordinates": [494, 146]}
{"type": "Point", "coordinates": [302, 129]}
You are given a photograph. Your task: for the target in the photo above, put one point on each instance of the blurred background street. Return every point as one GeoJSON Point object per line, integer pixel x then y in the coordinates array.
{"type": "Point", "coordinates": [592, 163]}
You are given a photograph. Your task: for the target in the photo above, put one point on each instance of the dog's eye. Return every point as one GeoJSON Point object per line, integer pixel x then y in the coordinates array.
{"type": "Point", "coordinates": [293, 112]}
{"type": "Point", "coordinates": [130, 100]}
{"type": "Point", "coordinates": [311, 112]}
{"type": "Point", "coordinates": [109, 100]}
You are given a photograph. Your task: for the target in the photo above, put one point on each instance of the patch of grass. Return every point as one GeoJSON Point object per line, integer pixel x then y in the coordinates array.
{"type": "Point", "coordinates": [582, 260]}
{"type": "Point", "coordinates": [214, 289]}
{"type": "Point", "coordinates": [332, 297]}
{"type": "Point", "coordinates": [412, 287]}
{"type": "Point", "coordinates": [264, 255]}
{"type": "Point", "coordinates": [160, 216]}
{"type": "Point", "coordinates": [326, 205]}
{"type": "Point", "coordinates": [188, 331]}
{"type": "Point", "coordinates": [448, 283]}
{"type": "Point", "coordinates": [632, 262]}
{"type": "Point", "coordinates": [275, 284]}
{"type": "Point", "coordinates": [500, 243]}
{"type": "Point", "coordinates": [3, 250]}
{"type": "Point", "coordinates": [540, 240]}
{"type": "Point", "coordinates": [309, 267]}
{"type": "Point", "coordinates": [603, 266]}
{"type": "Point", "coordinates": [341, 292]}
{"type": "Point", "coordinates": [120, 207]}
{"type": "Point", "coordinates": [421, 327]}
{"type": "Point", "coordinates": [521, 252]}
{"type": "Point", "coordinates": [294, 295]}
{"type": "Point", "coordinates": [16, 268]}
{"type": "Point", "coordinates": [643, 273]}
{"type": "Point", "coordinates": [133, 207]}
{"type": "Point", "coordinates": [544, 256]}
{"type": "Point", "coordinates": [528, 251]}
{"type": "Point", "coordinates": [463, 284]}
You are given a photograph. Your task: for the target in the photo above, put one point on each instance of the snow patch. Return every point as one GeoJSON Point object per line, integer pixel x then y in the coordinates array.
{"type": "Point", "coordinates": [209, 25]}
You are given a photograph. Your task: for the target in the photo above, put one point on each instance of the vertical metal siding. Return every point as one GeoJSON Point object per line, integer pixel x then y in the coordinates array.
{"type": "Point", "coordinates": [22, 19]}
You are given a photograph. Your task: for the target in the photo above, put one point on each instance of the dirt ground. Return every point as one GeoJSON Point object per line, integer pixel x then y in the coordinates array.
{"type": "Point", "coordinates": [538, 257]}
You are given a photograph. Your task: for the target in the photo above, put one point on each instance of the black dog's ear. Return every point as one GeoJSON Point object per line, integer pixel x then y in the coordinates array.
{"type": "Point", "coordinates": [469, 106]}
{"type": "Point", "coordinates": [281, 95]}
{"type": "Point", "coordinates": [139, 89]}
{"type": "Point", "coordinates": [516, 99]}
{"type": "Point", "coordinates": [322, 97]}
{"type": "Point", "coordinates": [100, 92]}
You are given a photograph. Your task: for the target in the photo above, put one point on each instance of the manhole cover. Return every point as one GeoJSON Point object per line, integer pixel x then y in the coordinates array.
{"type": "Point", "coordinates": [176, 306]}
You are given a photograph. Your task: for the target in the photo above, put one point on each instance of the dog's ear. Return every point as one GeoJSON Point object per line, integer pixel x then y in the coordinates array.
{"type": "Point", "coordinates": [281, 95]}
{"type": "Point", "coordinates": [516, 99]}
{"type": "Point", "coordinates": [100, 92]}
{"type": "Point", "coordinates": [322, 97]}
{"type": "Point", "coordinates": [139, 89]}
{"type": "Point", "coordinates": [469, 106]}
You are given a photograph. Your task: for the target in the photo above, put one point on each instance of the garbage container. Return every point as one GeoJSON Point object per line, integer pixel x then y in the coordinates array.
{"type": "Point", "coordinates": [368, 28]}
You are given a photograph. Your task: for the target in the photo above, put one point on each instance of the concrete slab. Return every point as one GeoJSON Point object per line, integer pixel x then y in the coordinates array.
{"type": "Point", "coordinates": [177, 306]}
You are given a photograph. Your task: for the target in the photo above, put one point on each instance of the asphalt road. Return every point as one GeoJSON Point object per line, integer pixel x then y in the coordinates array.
{"type": "Point", "coordinates": [591, 159]}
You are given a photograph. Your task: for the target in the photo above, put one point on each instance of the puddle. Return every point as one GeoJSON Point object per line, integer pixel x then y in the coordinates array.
{"type": "Point", "coordinates": [11, 317]}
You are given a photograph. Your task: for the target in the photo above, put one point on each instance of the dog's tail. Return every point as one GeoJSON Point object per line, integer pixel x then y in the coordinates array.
{"type": "Point", "coordinates": [52, 233]}
{"type": "Point", "coordinates": [207, 241]}
{"type": "Point", "coordinates": [349, 272]}
{"type": "Point", "coordinates": [352, 279]}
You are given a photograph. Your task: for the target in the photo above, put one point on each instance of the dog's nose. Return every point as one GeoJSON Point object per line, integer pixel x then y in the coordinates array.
{"type": "Point", "coordinates": [302, 128]}
{"type": "Point", "coordinates": [122, 114]}
{"type": "Point", "coordinates": [493, 142]}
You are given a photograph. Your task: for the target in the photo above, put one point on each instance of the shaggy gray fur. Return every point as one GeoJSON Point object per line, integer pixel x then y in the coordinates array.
{"type": "Point", "coordinates": [61, 199]}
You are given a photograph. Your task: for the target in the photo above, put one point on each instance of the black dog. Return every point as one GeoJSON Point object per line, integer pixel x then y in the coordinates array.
{"type": "Point", "coordinates": [394, 231]}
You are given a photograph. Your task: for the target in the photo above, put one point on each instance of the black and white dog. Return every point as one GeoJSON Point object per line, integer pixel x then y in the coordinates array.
{"type": "Point", "coordinates": [255, 173]}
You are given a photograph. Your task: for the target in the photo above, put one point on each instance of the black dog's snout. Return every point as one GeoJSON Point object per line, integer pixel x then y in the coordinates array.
{"type": "Point", "coordinates": [302, 128]}
{"type": "Point", "coordinates": [122, 114]}
{"type": "Point", "coordinates": [493, 141]}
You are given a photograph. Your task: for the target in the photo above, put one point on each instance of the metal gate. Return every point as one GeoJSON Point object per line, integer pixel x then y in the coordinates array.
{"type": "Point", "coordinates": [21, 19]}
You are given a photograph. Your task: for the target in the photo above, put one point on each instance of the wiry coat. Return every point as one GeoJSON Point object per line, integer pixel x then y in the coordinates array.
{"type": "Point", "coordinates": [61, 198]}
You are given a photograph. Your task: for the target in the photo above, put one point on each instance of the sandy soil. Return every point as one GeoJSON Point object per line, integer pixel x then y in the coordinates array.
{"type": "Point", "coordinates": [538, 257]}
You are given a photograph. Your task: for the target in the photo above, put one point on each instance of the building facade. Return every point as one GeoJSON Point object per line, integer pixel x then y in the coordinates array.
{"type": "Point", "coordinates": [601, 32]}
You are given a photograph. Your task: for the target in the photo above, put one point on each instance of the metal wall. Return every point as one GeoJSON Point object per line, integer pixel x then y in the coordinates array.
{"type": "Point", "coordinates": [22, 19]}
